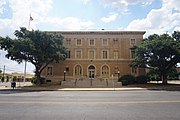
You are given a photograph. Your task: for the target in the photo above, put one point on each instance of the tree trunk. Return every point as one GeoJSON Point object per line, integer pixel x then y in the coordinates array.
{"type": "Point", "coordinates": [38, 76]}
{"type": "Point", "coordinates": [164, 79]}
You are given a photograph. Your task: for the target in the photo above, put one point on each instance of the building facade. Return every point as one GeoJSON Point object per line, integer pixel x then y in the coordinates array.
{"type": "Point", "coordinates": [95, 55]}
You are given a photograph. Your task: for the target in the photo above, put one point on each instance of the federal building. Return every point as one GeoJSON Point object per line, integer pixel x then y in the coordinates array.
{"type": "Point", "coordinates": [95, 55]}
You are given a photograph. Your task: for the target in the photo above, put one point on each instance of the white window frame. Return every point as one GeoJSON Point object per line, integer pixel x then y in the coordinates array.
{"type": "Point", "coordinates": [90, 42]}
{"type": "Point", "coordinates": [49, 71]}
{"type": "Point", "coordinates": [77, 53]}
{"type": "Point", "coordinates": [89, 54]}
{"type": "Point", "coordinates": [77, 42]}
{"type": "Point", "coordinates": [103, 39]}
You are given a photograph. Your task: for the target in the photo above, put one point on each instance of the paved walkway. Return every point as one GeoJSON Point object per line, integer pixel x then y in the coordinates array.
{"type": "Point", "coordinates": [175, 86]}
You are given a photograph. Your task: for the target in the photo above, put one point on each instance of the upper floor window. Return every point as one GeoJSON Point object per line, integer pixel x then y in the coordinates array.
{"type": "Point", "coordinates": [79, 42]}
{"type": "Point", "coordinates": [91, 54]}
{"type": "Point", "coordinates": [91, 42]}
{"type": "Point", "coordinates": [78, 54]}
{"type": "Point", "coordinates": [115, 54]}
{"type": "Point", "coordinates": [104, 42]}
{"type": "Point", "coordinates": [133, 42]}
{"type": "Point", "coordinates": [104, 54]}
{"type": "Point", "coordinates": [68, 41]}
{"type": "Point", "coordinates": [68, 55]}
{"type": "Point", "coordinates": [115, 41]}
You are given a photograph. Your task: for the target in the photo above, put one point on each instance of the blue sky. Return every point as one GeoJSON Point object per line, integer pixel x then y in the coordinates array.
{"type": "Point", "coordinates": [152, 16]}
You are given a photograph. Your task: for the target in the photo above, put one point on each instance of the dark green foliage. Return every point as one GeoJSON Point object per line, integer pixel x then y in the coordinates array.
{"type": "Point", "coordinates": [159, 53]}
{"type": "Point", "coordinates": [124, 82]}
{"type": "Point", "coordinates": [34, 80]}
{"type": "Point", "coordinates": [127, 79]}
{"type": "Point", "coordinates": [36, 47]}
{"type": "Point", "coordinates": [141, 79]}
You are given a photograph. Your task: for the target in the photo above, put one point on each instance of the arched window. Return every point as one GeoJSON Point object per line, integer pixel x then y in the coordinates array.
{"type": "Point", "coordinates": [78, 70]}
{"type": "Point", "coordinates": [105, 71]}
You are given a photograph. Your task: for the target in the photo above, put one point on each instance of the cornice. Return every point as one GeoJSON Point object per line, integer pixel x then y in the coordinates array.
{"type": "Point", "coordinates": [98, 32]}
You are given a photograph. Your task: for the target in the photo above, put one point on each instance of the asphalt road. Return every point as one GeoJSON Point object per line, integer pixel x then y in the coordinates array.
{"type": "Point", "coordinates": [90, 105]}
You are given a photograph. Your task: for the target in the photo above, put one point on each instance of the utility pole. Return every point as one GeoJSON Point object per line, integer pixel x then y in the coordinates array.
{"type": "Point", "coordinates": [3, 78]}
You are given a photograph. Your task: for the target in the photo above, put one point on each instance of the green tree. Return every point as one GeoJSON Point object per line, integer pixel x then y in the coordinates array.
{"type": "Point", "coordinates": [36, 47]}
{"type": "Point", "coordinates": [159, 53]}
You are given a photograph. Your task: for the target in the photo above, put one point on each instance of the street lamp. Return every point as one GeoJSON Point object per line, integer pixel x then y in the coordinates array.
{"type": "Point", "coordinates": [64, 76]}
{"type": "Point", "coordinates": [118, 74]}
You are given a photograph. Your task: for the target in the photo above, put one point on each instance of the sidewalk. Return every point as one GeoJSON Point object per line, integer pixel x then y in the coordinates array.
{"type": "Point", "coordinates": [149, 86]}
{"type": "Point", "coordinates": [58, 88]}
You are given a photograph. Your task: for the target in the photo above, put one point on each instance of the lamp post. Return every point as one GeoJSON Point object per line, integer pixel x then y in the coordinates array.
{"type": "Point", "coordinates": [64, 76]}
{"type": "Point", "coordinates": [118, 74]}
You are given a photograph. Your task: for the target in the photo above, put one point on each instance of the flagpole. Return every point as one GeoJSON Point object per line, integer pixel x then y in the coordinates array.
{"type": "Point", "coordinates": [25, 66]}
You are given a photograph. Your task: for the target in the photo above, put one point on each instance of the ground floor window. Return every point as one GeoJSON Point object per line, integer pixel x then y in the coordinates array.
{"type": "Point", "coordinates": [105, 71]}
{"type": "Point", "coordinates": [49, 70]}
{"type": "Point", "coordinates": [78, 71]}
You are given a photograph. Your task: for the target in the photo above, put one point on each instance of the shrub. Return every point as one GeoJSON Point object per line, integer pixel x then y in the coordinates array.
{"type": "Point", "coordinates": [34, 80]}
{"type": "Point", "coordinates": [141, 79]}
{"type": "Point", "coordinates": [127, 79]}
{"type": "Point", "coordinates": [124, 82]}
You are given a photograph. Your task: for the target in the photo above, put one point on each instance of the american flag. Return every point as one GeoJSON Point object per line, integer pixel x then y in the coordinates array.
{"type": "Point", "coordinates": [30, 18]}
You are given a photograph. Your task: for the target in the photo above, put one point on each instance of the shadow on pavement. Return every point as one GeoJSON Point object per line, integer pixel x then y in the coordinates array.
{"type": "Point", "coordinates": [158, 86]}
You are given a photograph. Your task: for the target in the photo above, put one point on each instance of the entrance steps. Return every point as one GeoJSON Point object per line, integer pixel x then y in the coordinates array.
{"type": "Point", "coordinates": [88, 83]}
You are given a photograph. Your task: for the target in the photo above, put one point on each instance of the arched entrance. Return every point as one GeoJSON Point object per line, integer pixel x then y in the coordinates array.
{"type": "Point", "coordinates": [91, 72]}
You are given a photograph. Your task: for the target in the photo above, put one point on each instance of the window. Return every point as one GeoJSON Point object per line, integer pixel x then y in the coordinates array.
{"type": "Point", "coordinates": [133, 42]}
{"type": "Point", "coordinates": [91, 54]}
{"type": "Point", "coordinates": [133, 55]}
{"type": "Point", "coordinates": [67, 69]}
{"type": "Point", "coordinates": [134, 70]}
{"type": "Point", "coordinates": [115, 41]}
{"type": "Point", "coordinates": [91, 42]}
{"type": "Point", "coordinates": [116, 56]}
{"type": "Point", "coordinates": [68, 55]}
{"type": "Point", "coordinates": [68, 41]}
{"type": "Point", "coordinates": [104, 42]}
{"type": "Point", "coordinates": [79, 42]}
{"type": "Point", "coordinates": [49, 71]}
{"type": "Point", "coordinates": [78, 54]}
{"type": "Point", "coordinates": [105, 71]}
{"type": "Point", "coordinates": [104, 54]}
{"type": "Point", "coordinates": [78, 70]}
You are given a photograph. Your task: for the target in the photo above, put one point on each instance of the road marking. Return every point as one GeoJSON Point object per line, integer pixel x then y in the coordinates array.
{"type": "Point", "coordinates": [89, 102]}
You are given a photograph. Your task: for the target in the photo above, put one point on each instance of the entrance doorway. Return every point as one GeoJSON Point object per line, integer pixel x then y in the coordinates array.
{"type": "Point", "coordinates": [91, 72]}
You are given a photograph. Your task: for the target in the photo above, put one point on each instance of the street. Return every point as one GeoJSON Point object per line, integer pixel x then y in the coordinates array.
{"type": "Point", "coordinates": [90, 105]}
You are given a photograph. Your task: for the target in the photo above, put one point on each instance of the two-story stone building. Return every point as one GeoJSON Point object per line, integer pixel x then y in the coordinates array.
{"type": "Point", "coordinates": [95, 55]}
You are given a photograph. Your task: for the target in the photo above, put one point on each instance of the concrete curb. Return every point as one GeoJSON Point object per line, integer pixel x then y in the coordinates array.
{"type": "Point", "coordinates": [100, 89]}
{"type": "Point", "coordinates": [71, 89]}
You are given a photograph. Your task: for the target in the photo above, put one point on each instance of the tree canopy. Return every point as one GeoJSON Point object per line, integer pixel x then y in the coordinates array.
{"type": "Point", "coordinates": [37, 47]}
{"type": "Point", "coordinates": [159, 53]}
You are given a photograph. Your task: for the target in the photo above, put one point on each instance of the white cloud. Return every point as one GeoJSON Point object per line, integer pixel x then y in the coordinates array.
{"type": "Point", "coordinates": [85, 1]}
{"type": "Point", "coordinates": [20, 14]}
{"type": "Point", "coordinates": [122, 5]}
{"type": "Point", "coordinates": [159, 21]}
{"type": "Point", "coordinates": [110, 18]}
{"type": "Point", "coordinates": [70, 23]}
{"type": "Point", "coordinates": [3, 2]}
